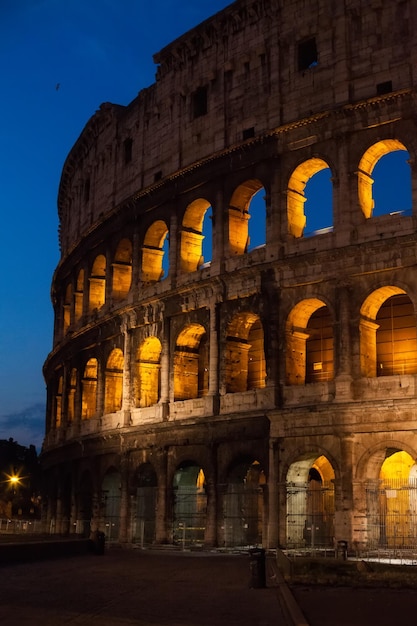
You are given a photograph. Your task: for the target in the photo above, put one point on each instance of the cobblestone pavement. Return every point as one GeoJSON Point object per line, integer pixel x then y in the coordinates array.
{"type": "Point", "coordinates": [138, 587]}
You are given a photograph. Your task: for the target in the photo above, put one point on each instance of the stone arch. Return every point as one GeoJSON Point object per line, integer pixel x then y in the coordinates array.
{"type": "Point", "coordinates": [72, 389]}
{"type": "Point", "coordinates": [190, 504]}
{"type": "Point", "coordinates": [191, 249]}
{"type": "Point", "coordinates": [97, 294]}
{"type": "Point", "coordinates": [148, 372]}
{"type": "Point", "coordinates": [245, 354]}
{"type": "Point", "coordinates": [110, 503]}
{"type": "Point", "coordinates": [310, 501]}
{"type": "Point", "coordinates": [89, 390]}
{"type": "Point", "coordinates": [79, 296]}
{"type": "Point", "coordinates": [389, 496]}
{"type": "Point", "coordinates": [239, 215]}
{"type": "Point", "coordinates": [146, 483]}
{"type": "Point", "coordinates": [153, 252]}
{"type": "Point", "coordinates": [388, 333]}
{"type": "Point", "coordinates": [122, 270]}
{"type": "Point", "coordinates": [309, 343]}
{"type": "Point", "coordinates": [84, 500]}
{"type": "Point", "coordinates": [191, 363]}
{"type": "Point", "coordinates": [243, 503]}
{"type": "Point", "coordinates": [295, 193]}
{"type": "Point", "coordinates": [67, 307]}
{"type": "Point", "coordinates": [366, 166]}
{"type": "Point", "coordinates": [113, 381]}
{"type": "Point", "coordinates": [58, 402]}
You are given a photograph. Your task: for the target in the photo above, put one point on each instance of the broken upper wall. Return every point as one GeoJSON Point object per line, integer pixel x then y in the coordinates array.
{"type": "Point", "coordinates": [255, 66]}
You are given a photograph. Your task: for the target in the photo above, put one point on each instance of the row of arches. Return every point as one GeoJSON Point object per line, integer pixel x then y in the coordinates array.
{"type": "Point", "coordinates": [387, 342]}
{"type": "Point", "coordinates": [237, 511]}
{"type": "Point", "coordinates": [110, 275]}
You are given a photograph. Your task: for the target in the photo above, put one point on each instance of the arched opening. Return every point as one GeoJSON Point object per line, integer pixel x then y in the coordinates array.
{"type": "Point", "coordinates": [85, 505]}
{"type": "Point", "coordinates": [97, 279]}
{"type": "Point", "coordinates": [310, 503]}
{"type": "Point", "coordinates": [113, 382]}
{"type": "Point", "coordinates": [392, 502]}
{"type": "Point", "coordinates": [318, 209]}
{"type": "Point", "coordinates": [243, 504]}
{"type": "Point", "coordinates": [191, 363]}
{"type": "Point", "coordinates": [190, 505]}
{"type": "Point", "coordinates": [194, 229]}
{"type": "Point", "coordinates": [67, 308]}
{"type": "Point", "coordinates": [122, 270]}
{"type": "Point", "coordinates": [148, 372]}
{"type": "Point", "coordinates": [78, 296]}
{"type": "Point", "coordinates": [71, 395]}
{"type": "Point", "coordinates": [146, 498]}
{"type": "Point", "coordinates": [247, 201]}
{"type": "Point", "coordinates": [388, 335]}
{"type": "Point", "coordinates": [89, 390]}
{"type": "Point", "coordinates": [58, 402]}
{"type": "Point", "coordinates": [309, 343]}
{"type": "Point", "coordinates": [155, 258]}
{"type": "Point", "coordinates": [245, 354]}
{"type": "Point", "coordinates": [110, 504]}
{"type": "Point", "coordinates": [394, 170]}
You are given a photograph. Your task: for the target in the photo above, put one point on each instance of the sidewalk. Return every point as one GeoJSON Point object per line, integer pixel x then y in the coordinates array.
{"type": "Point", "coordinates": [145, 588]}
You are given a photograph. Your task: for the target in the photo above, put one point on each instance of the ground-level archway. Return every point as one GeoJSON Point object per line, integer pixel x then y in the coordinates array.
{"type": "Point", "coordinates": [189, 505]}
{"type": "Point", "coordinates": [310, 503]}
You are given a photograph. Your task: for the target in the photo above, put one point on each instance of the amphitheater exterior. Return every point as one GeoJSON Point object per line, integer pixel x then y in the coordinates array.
{"type": "Point", "coordinates": [232, 365]}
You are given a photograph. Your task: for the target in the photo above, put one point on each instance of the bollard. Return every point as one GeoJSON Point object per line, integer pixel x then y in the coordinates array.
{"type": "Point", "coordinates": [257, 568]}
{"type": "Point", "coordinates": [342, 548]}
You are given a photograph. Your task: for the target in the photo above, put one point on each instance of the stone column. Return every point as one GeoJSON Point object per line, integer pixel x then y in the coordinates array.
{"type": "Point", "coordinates": [343, 491]}
{"type": "Point", "coordinates": [124, 500]}
{"type": "Point", "coordinates": [342, 345]}
{"type": "Point", "coordinates": [127, 382]}
{"type": "Point", "coordinates": [214, 356]}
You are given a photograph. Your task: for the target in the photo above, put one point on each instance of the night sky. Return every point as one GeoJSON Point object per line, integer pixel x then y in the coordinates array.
{"type": "Point", "coordinates": [59, 60]}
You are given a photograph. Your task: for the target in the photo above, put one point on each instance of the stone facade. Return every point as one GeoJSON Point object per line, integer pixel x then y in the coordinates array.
{"type": "Point", "coordinates": [267, 394]}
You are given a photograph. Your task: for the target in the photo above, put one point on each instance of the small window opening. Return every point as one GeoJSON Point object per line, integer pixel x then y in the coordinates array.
{"type": "Point", "coordinates": [307, 54]}
{"type": "Point", "coordinates": [157, 176]}
{"type": "Point", "coordinates": [383, 88]}
{"type": "Point", "coordinates": [128, 150]}
{"type": "Point", "coordinates": [248, 133]}
{"type": "Point", "coordinates": [199, 102]}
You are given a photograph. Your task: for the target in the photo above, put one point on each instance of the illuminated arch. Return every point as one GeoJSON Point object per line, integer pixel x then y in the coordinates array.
{"type": "Point", "coordinates": [191, 363]}
{"type": "Point", "coordinates": [191, 252]}
{"type": "Point", "coordinates": [239, 215]}
{"type": "Point", "coordinates": [295, 194]}
{"type": "Point", "coordinates": [309, 343]}
{"type": "Point", "coordinates": [153, 252]}
{"type": "Point", "coordinates": [245, 354]}
{"type": "Point", "coordinates": [97, 279]}
{"type": "Point", "coordinates": [310, 502]}
{"type": "Point", "coordinates": [71, 395]}
{"type": "Point", "coordinates": [122, 270]}
{"type": "Point", "coordinates": [58, 402]}
{"type": "Point", "coordinates": [113, 382]}
{"type": "Point", "coordinates": [79, 296]}
{"type": "Point", "coordinates": [67, 307]}
{"type": "Point", "coordinates": [89, 390]}
{"type": "Point", "coordinates": [388, 334]}
{"type": "Point", "coordinates": [366, 167]}
{"type": "Point", "coordinates": [148, 372]}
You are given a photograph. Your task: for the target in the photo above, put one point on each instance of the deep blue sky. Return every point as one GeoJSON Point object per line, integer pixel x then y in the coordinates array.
{"type": "Point", "coordinates": [96, 51]}
{"type": "Point", "coordinates": [59, 60]}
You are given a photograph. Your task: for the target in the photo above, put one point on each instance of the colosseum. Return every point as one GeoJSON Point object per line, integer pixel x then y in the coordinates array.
{"type": "Point", "coordinates": [234, 365]}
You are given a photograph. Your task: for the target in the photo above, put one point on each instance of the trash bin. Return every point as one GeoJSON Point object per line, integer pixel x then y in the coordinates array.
{"type": "Point", "coordinates": [257, 568]}
{"type": "Point", "coordinates": [342, 548]}
{"type": "Point", "coordinates": [98, 541]}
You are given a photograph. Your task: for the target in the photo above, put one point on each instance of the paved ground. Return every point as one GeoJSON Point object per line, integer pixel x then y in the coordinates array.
{"type": "Point", "coordinates": [125, 587]}
{"type": "Point", "coordinates": [341, 606]}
